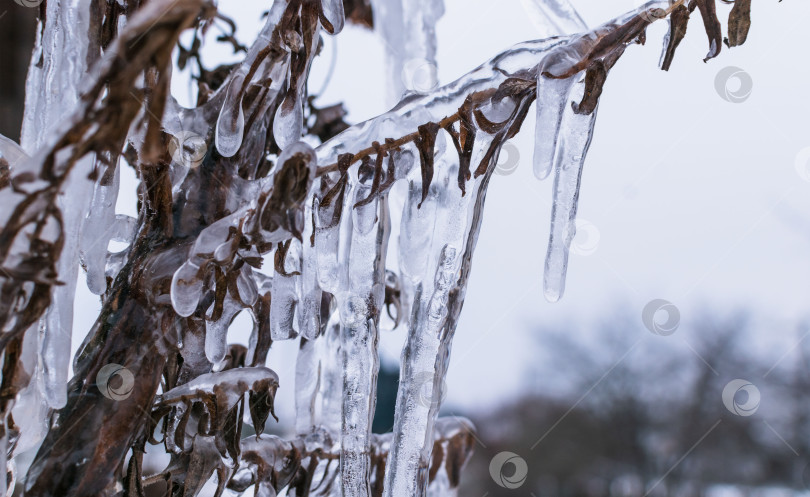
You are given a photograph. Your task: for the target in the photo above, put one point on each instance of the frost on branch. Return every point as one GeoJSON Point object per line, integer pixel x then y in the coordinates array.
{"type": "Point", "coordinates": [238, 180]}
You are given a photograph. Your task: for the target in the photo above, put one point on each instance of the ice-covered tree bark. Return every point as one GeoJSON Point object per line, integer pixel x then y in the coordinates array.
{"type": "Point", "coordinates": [232, 180]}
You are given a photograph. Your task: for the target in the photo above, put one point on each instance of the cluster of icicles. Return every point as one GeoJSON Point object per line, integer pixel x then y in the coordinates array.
{"type": "Point", "coordinates": [332, 282]}
{"type": "Point", "coordinates": [350, 217]}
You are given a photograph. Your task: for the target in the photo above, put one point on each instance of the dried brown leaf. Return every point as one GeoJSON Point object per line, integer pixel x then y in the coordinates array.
{"type": "Point", "coordinates": [595, 78]}
{"type": "Point", "coordinates": [739, 23]}
{"type": "Point", "coordinates": [708, 10]}
{"type": "Point", "coordinates": [678, 21]}
{"type": "Point", "coordinates": [378, 172]}
{"type": "Point", "coordinates": [261, 398]}
{"type": "Point", "coordinates": [426, 144]}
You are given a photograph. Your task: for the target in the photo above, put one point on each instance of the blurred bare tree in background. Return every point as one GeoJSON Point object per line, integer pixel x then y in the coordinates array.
{"type": "Point", "coordinates": [644, 415]}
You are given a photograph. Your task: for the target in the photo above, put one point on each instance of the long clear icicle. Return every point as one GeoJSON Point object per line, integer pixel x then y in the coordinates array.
{"type": "Point", "coordinates": [575, 139]}
{"type": "Point", "coordinates": [58, 64]}
{"type": "Point", "coordinates": [422, 374]}
{"type": "Point", "coordinates": [358, 302]}
{"type": "Point", "coordinates": [408, 29]}
{"type": "Point", "coordinates": [309, 304]}
{"type": "Point", "coordinates": [563, 137]}
{"type": "Point", "coordinates": [308, 370]}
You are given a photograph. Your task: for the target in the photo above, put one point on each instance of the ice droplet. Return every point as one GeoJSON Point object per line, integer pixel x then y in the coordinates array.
{"type": "Point", "coordinates": [288, 123]}
{"type": "Point", "coordinates": [231, 122]}
{"type": "Point", "coordinates": [186, 289]}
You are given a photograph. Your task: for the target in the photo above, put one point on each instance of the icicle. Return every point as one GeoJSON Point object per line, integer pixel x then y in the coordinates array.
{"type": "Point", "coordinates": [286, 292]}
{"type": "Point", "coordinates": [326, 246]}
{"type": "Point", "coordinates": [575, 139]}
{"type": "Point", "coordinates": [359, 301]}
{"type": "Point", "coordinates": [231, 122]}
{"type": "Point", "coordinates": [58, 319]}
{"type": "Point", "coordinates": [309, 310]}
{"type": "Point", "coordinates": [30, 410]}
{"type": "Point", "coordinates": [230, 126]}
{"type": "Point", "coordinates": [560, 18]}
{"type": "Point", "coordinates": [311, 353]}
{"type": "Point", "coordinates": [58, 64]}
{"type": "Point", "coordinates": [319, 384]}
{"type": "Point", "coordinates": [422, 376]}
{"type": "Point", "coordinates": [260, 336]}
{"type": "Point", "coordinates": [331, 391]}
{"type": "Point", "coordinates": [216, 331]}
{"type": "Point", "coordinates": [552, 96]}
{"type": "Point", "coordinates": [327, 238]}
{"type": "Point", "coordinates": [97, 230]}
{"type": "Point", "coordinates": [420, 388]}
{"type": "Point", "coordinates": [408, 29]}
{"type": "Point", "coordinates": [308, 366]}
{"type": "Point", "coordinates": [416, 233]}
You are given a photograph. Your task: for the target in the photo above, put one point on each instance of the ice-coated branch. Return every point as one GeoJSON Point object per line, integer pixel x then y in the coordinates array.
{"type": "Point", "coordinates": [237, 180]}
